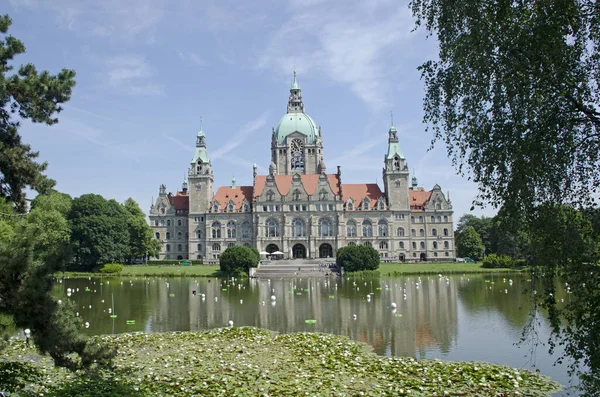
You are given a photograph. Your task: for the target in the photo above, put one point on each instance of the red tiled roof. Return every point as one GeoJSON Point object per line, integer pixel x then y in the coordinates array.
{"type": "Point", "coordinates": [237, 194]}
{"type": "Point", "coordinates": [284, 182]}
{"type": "Point", "coordinates": [358, 191]}
{"type": "Point", "coordinates": [418, 199]}
{"type": "Point", "coordinates": [181, 202]}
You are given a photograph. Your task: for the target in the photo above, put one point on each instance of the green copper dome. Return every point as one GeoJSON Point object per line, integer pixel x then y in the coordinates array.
{"type": "Point", "coordinates": [300, 122]}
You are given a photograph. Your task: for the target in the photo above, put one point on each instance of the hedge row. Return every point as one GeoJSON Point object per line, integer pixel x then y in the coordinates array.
{"type": "Point", "coordinates": [494, 261]}
{"type": "Point", "coordinates": [174, 262]}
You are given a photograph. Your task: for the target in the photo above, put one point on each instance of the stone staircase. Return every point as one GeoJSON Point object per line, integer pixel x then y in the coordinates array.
{"type": "Point", "coordinates": [294, 268]}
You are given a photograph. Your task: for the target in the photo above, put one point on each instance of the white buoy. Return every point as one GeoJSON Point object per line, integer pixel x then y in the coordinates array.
{"type": "Point", "coordinates": [393, 305]}
{"type": "Point", "coordinates": [109, 310]}
{"type": "Point", "coordinates": [241, 301]}
{"type": "Point", "coordinates": [59, 302]}
{"type": "Point", "coordinates": [354, 316]}
{"type": "Point", "coordinates": [68, 290]}
{"type": "Point", "coordinates": [404, 296]}
{"type": "Point", "coordinates": [216, 298]}
{"type": "Point", "coordinates": [273, 297]}
{"type": "Point", "coordinates": [230, 323]}
{"type": "Point", "coordinates": [90, 306]}
{"type": "Point", "coordinates": [77, 314]}
{"type": "Point", "coordinates": [263, 303]}
{"type": "Point", "coordinates": [87, 325]}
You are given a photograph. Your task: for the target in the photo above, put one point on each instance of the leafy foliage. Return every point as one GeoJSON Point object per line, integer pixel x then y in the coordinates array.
{"type": "Point", "coordinates": [141, 241]}
{"type": "Point", "coordinates": [494, 261]}
{"type": "Point", "coordinates": [468, 244]}
{"type": "Point", "coordinates": [100, 231]}
{"type": "Point", "coordinates": [31, 95]}
{"type": "Point", "coordinates": [238, 260]}
{"type": "Point", "coordinates": [354, 258]}
{"type": "Point", "coordinates": [111, 268]}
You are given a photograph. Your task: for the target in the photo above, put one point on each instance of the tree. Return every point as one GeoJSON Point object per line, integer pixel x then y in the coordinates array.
{"type": "Point", "coordinates": [468, 244]}
{"type": "Point", "coordinates": [99, 231]}
{"type": "Point", "coordinates": [31, 95]}
{"type": "Point", "coordinates": [355, 258]}
{"type": "Point", "coordinates": [141, 240]}
{"type": "Point", "coordinates": [515, 96]}
{"type": "Point", "coordinates": [237, 260]}
{"type": "Point", "coordinates": [483, 226]}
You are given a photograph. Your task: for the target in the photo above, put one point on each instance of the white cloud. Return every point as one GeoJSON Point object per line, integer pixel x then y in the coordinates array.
{"type": "Point", "coordinates": [351, 43]}
{"type": "Point", "coordinates": [239, 137]}
{"type": "Point", "coordinates": [192, 58]}
{"type": "Point", "coordinates": [131, 74]}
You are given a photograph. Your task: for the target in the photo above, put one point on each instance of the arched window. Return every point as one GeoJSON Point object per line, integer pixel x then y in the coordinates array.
{"type": "Point", "coordinates": [246, 207]}
{"type": "Point", "coordinates": [157, 235]}
{"type": "Point", "coordinates": [414, 245]}
{"type": "Point", "coordinates": [230, 245]}
{"type": "Point", "coordinates": [421, 232]}
{"type": "Point", "coordinates": [445, 232]}
{"type": "Point", "coordinates": [401, 244]}
{"type": "Point", "coordinates": [383, 245]}
{"type": "Point", "coordinates": [381, 204]}
{"type": "Point", "coordinates": [434, 232]}
{"type": "Point", "coordinates": [435, 245]}
{"type": "Point", "coordinates": [396, 163]}
{"type": "Point", "coordinates": [216, 247]}
{"type": "Point", "coordinates": [231, 229]}
{"type": "Point", "coordinates": [162, 222]}
{"type": "Point", "coordinates": [272, 229]}
{"type": "Point", "coordinates": [168, 222]}
{"type": "Point", "coordinates": [216, 229]}
{"type": "Point", "coordinates": [439, 219]}
{"type": "Point", "coordinates": [246, 230]}
{"type": "Point", "coordinates": [352, 243]}
{"type": "Point", "coordinates": [230, 207]}
{"type": "Point", "coordinates": [199, 233]}
{"type": "Point", "coordinates": [323, 195]}
{"type": "Point", "coordinates": [178, 222]}
{"type": "Point", "coordinates": [446, 244]}
{"type": "Point", "coordinates": [400, 232]}
{"type": "Point", "coordinates": [351, 229]}
{"type": "Point", "coordinates": [156, 222]}
{"type": "Point", "coordinates": [179, 235]}
{"type": "Point", "coordinates": [162, 210]}
{"type": "Point", "coordinates": [413, 232]}
{"type": "Point", "coordinates": [296, 195]}
{"type": "Point", "coordinates": [382, 228]}
{"type": "Point", "coordinates": [365, 204]}
{"type": "Point", "coordinates": [412, 219]}
{"type": "Point", "coordinates": [422, 245]}
{"type": "Point", "coordinates": [367, 228]}
{"type": "Point", "coordinates": [325, 229]}
{"type": "Point", "coordinates": [168, 248]}
{"type": "Point", "coordinates": [350, 205]}
{"type": "Point", "coordinates": [179, 248]}
{"type": "Point", "coordinates": [199, 247]}
{"type": "Point", "coordinates": [368, 244]}
{"type": "Point", "coordinates": [445, 218]}
{"type": "Point", "coordinates": [438, 206]}
{"type": "Point", "coordinates": [420, 219]}
{"type": "Point", "coordinates": [270, 195]}
{"type": "Point", "coordinates": [215, 207]}
{"type": "Point", "coordinates": [168, 235]}
{"type": "Point", "coordinates": [298, 228]}
{"type": "Point", "coordinates": [432, 219]}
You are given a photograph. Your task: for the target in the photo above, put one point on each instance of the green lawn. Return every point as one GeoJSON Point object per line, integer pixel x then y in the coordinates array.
{"type": "Point", "coordinates": [156, 270]}
{"type": "Point", "coordinates": [436, 268]}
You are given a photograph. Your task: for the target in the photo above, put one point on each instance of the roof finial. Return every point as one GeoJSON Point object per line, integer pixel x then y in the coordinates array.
{"type": "Point", "coordinates": [200, 123]}
{"type": "Point", "coordinates": [392, 118]}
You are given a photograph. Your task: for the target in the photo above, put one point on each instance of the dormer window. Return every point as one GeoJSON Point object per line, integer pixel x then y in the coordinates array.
{"type": "Point", "coordinates": [323, 195]}
{"type": "Point", "coordinates": [296, 195]}
{"type": "Point", "coordinates": [350, 205]}
{"type": "Point", "coordinates": [270, 195]}
{"type": "Point", "coordinates": [215, 207]}
{"type": "Point", "coordinates": [246, 208]}
{"type": "Point", "coordinates": [365, 204]}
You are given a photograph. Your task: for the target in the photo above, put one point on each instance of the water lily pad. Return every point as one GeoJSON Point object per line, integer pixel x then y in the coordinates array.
{"type": "Point", "coordinates": [331, 297]}
{"type": "Point", "coordinates": [171, 295]}
{"type": "Point", "coordinates": [113, 316]}
{"type": "Point", "coordinates": [310, 321]}
{"type": "Point", "coordinates": [398, 315]}
{"type": "Point", "coordinates": [130, 321]}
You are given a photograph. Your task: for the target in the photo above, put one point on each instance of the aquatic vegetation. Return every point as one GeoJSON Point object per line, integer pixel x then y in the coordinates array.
{"type": "Point", "coordinates": [250, 361]}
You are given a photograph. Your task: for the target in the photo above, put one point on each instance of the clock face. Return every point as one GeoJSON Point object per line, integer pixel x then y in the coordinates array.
{"type": "Point", "coordinates": [297, 146]}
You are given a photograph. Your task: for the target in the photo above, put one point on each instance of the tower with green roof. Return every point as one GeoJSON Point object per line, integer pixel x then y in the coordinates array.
{"type": "Point", "coordinates": [395, 173]}
{"type": "Point", "coordinates": [296, 145]}
{"type": "Point", "coordinates": [200, 177]}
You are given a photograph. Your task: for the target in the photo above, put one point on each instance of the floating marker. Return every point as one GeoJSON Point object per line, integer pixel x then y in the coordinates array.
{"type": "Point", "coordinates": [331, 296]}
{"type": "Point", "coordinates": [172, 295]}
{"type": "Point", "coordinates": [310, 321]}
{"type": "Point", "coordinates": [129, 321]}
{"type": "Point", "coordinates": [398, 315]}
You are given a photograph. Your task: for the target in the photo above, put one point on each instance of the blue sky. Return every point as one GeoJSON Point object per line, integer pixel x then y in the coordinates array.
{"type": "Point", "coordinates": [149, 70]}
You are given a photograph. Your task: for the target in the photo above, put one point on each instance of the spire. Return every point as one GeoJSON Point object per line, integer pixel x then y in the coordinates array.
{"type": "Point", "coordinates": [200, 154]}
{"type": "Point", "coordinates": [233, 181]}
{"type": "Point", "coordinates": [184, 185]}
{"type": "Point", "coordinates": [393, 145]}
{"type": "Point", "coordinates": [295, 104]}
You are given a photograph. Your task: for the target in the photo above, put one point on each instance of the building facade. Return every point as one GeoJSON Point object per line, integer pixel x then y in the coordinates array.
{"type": "Point", "coordinates": [301, 210]}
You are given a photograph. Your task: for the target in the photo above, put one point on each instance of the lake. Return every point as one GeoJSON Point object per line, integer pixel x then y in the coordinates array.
{"type": "Point", "coordinates": [470, 317]}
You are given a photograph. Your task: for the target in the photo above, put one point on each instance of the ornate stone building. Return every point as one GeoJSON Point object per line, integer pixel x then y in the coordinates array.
{"type": "Point", "coordinates": [300, 209]}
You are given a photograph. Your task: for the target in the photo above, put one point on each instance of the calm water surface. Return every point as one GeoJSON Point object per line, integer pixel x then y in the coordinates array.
{"type": "Point", "coordinates": [470, 317]}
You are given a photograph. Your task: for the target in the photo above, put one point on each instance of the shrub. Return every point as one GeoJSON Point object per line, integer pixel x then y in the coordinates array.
{"type": "Point", "coordinates": [493, 261]}
{"type": "Point", "coordinates": [156, 262]}
{"type": "Point", "coordinates": [111, 268]}
{"type": "Point", "coordinates": [238, 260]}
{"type": "Point", "coordinates": [520, 263]}
{"type": "Point", "coordinates": [357, 257]}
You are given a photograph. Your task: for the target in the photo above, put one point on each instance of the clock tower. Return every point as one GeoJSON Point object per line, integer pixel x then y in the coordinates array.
{"type": "Point", "coordinates": [296, 144]}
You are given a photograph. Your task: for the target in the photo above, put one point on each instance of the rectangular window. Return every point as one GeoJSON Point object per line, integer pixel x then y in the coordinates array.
{"type": "Point", "coordinates": [264, 208]}
{"type": "Point", "coordinates": [271, 208]}
{"type": "Point", "coordinates": [303, 207]}
{"type": "Point", "coordinates": [318, 207]}
{"type": "Point", "coordinates": [330, 207]}
{"type": "Point", "coordinates": [297, 207]}
{"type": "Point", "coordinates": [291, 207]}
{"type": "Point", "coordinates": [277, 208]}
